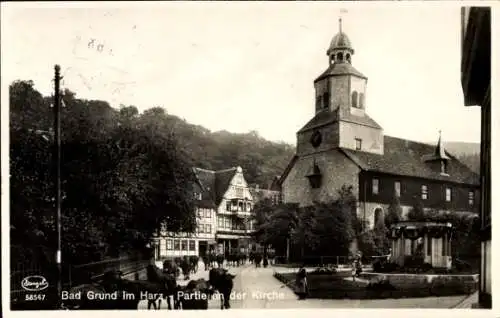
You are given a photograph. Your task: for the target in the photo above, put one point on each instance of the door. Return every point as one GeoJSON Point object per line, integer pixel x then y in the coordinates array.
{"type": "Point", "coordinates": [437, 250]}
{"type": "Point", "coordinates": [202, 248]}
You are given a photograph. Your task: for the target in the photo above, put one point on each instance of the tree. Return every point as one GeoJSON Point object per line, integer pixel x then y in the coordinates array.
{"type": "Point", "coordinates": [123, 176]}
{"type": "Point", "coordinates": [417, 212]}
{"type": "Point", "coordinates": [394, 211]}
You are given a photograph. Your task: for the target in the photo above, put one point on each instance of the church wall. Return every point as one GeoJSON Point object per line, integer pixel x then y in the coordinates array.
{"type": "Point", "coordinates": [339, 91]}
{"type": "Point", "coordinates": [411, 187]}
{"type": "Point", "coordinates": [372, 139]}
{"type": "Point", "coordinates": [337, 170]}
{"type": "Point", "coordinates": [329, 135]}
{"type": "Point", "coordinates": [321, 87]}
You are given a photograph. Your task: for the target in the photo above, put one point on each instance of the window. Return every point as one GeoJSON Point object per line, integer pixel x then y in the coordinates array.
{"type": "Point", "coordinates": [397, 188]}
{"type": "Point", "coordinates": [200, 213]}
{"type": "Point", "coordinates": [192, 245]}
{"type": "Point", "coordinates": [429, 245]}
{"type": "Point", "coordinates": [444, 167]}
{"type": "Point", "coordinates": [184, 245]}
{"type": "Point", "coordinates": [177, 245]}
{"type": "Point", "coordinates": [228, 206]}
{"type": "Point", "coordinates": [354, 99]}
{"type": "Point", "coordinates": [239, 191]}
{"type": "Point", "coordinates": [340, 57]}
{"type": "Point", "coordinates": [326, 100]}
{"type": "Point", "coordinates": [220, 222]}
{"type": "Point", "coordinates": [209, 228]}
{"type": "Point", "coordinates": [249, 207]}
{"type": "Point", "coordinates": [448, 194]}
{"type": "Point", "coordinates": [424, 192]}
{"type": "Point", "coordinates": [318, 102]}
{"type": "Point", "coordinates": [471, 198]}
{"type": "Point", "coordinates": [361, 100]}
{"type": "Point", "coordinates": [348, 57]}
{"type": "Point", "coordinates": [375, 186]}
{"type": "Point", "coordinates": [358, 143]}
{"type": "Point", "coordinates": [227, 224]}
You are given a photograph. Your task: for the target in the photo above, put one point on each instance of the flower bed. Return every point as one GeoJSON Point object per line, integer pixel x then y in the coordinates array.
{"type": "Point", "coordinates": [335, 286]}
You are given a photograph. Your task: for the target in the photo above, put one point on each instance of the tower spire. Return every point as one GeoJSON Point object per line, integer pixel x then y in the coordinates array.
{"type": "Point", "coordinates": [340, 24]}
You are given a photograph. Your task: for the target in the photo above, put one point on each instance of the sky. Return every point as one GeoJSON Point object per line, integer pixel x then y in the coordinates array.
{"type": "Point", "coordinates": [248, 65]}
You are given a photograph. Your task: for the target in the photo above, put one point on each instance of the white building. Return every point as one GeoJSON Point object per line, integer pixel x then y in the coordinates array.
{"type": "Point", "coordinates": [224, 216]}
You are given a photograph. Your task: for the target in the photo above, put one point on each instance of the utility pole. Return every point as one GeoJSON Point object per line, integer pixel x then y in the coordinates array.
{"type": "Point", "coordinates": [57, 167]}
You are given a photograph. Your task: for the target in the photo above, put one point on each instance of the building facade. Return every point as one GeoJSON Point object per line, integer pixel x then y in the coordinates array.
{"type": "Point", "coordinates": [342, 145]}
{"type": "Point", "coordinates": [224, 216]}
{"type": "Point", "coordinates": [476, 84]}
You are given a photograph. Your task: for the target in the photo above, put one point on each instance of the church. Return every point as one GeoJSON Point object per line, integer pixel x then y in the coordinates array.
{"type": "Point", "coordinates": [343, 145]}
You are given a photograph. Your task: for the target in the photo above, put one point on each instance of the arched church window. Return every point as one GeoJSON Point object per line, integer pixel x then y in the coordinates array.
{"type": "Point", "coordinates": [326, 100]}
{"type": "Point", "coordinates": [361, 100]}
{"type": "Point", "coordinates": [379, 216]}
{"type": "Point", "coordinates": [340, 56]}
{"type": "Point", "coordinates": [354, 99]}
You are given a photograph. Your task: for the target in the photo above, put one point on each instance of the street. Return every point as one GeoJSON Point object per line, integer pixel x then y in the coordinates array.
{"type": "Point", "coordinates": [257, 288]}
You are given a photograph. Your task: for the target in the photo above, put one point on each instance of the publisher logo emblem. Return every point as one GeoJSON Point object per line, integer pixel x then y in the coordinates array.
{"type": "Point", "coordinates": [34, 283]}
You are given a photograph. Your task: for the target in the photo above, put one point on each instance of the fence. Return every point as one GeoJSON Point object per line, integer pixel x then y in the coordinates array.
{"type": "Point", "coordinates": [313, 260]}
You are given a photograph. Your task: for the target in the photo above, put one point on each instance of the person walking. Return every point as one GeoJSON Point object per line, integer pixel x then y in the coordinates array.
{"type": "Point", "coordinates": [301, 282]}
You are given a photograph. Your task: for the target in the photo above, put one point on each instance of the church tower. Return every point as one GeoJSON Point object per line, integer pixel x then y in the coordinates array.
{"type": "Point", "coordinates": [340, 110]}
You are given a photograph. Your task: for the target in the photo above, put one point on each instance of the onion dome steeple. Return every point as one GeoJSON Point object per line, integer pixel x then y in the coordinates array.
{"type": "Point", "coordinates": [340, 50]}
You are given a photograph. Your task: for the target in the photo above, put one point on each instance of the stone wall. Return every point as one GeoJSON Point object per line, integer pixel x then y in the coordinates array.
{"type": "Point", "coordinates": [337, 170]}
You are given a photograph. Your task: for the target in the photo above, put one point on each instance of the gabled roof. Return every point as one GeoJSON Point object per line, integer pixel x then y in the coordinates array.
{"type": "Point", "coordinates": [407, 158]}
{"type": "Point", "coordinates": [404, 158]}
{"type": "Point", "coordinates": [337, 69]}
{"type": "Point", "coordinates": [214, 183]}
{"type": "Point", "coordinates": [222, 180]}
{"type": "Point", "coordinates": [326, 116]}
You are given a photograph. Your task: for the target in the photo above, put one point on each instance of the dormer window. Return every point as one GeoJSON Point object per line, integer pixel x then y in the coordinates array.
{"type": "Point", "coordinates": [444, 167]}
{"type": "Point", "coordinates": [340, 57]}
{"type": "Point", "coordinates": [318, 102]}
{"type": "Point", "coordinates": [354, 99]}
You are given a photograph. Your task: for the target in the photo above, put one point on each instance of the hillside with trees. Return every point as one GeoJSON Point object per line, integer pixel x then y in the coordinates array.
{"type": "Point", "coordinates": [123, 172]}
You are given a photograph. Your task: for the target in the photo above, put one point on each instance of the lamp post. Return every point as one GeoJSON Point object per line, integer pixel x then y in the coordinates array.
{"type": "Point", "coordinates": [57, 168]}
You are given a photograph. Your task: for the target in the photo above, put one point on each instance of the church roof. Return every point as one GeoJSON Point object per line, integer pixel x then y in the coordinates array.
{"type": "Point", "coordinates": [326, 117]}
{"type": "Point", "coordinates": [337, 69]}
{"type": "Point", "coordinates": [214, 183]}
{"type": "Point", "coordinates": [340, 40]}
{"type": "Point", "coordinates": [407, 158]}
{"type": "Point", "coordinates": [404, 158]}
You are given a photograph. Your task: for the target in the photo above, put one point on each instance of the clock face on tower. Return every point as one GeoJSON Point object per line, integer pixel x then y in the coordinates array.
{"type": "Point", "coordinates": [316, 139]}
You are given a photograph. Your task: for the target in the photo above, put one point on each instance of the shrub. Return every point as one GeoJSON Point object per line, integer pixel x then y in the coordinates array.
{"type": "Point", "coordinates": [324, 271]}
{"type": "Point", "coordinates": [381, 285]}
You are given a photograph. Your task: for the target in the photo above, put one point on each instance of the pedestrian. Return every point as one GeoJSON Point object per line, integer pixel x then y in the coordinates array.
{"type": "Point", "coordinates": [354, 270]}
{"type": "Point", "coordinates": [265, 262]}
{"type": "Point", "coordinates": [301, 282]}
